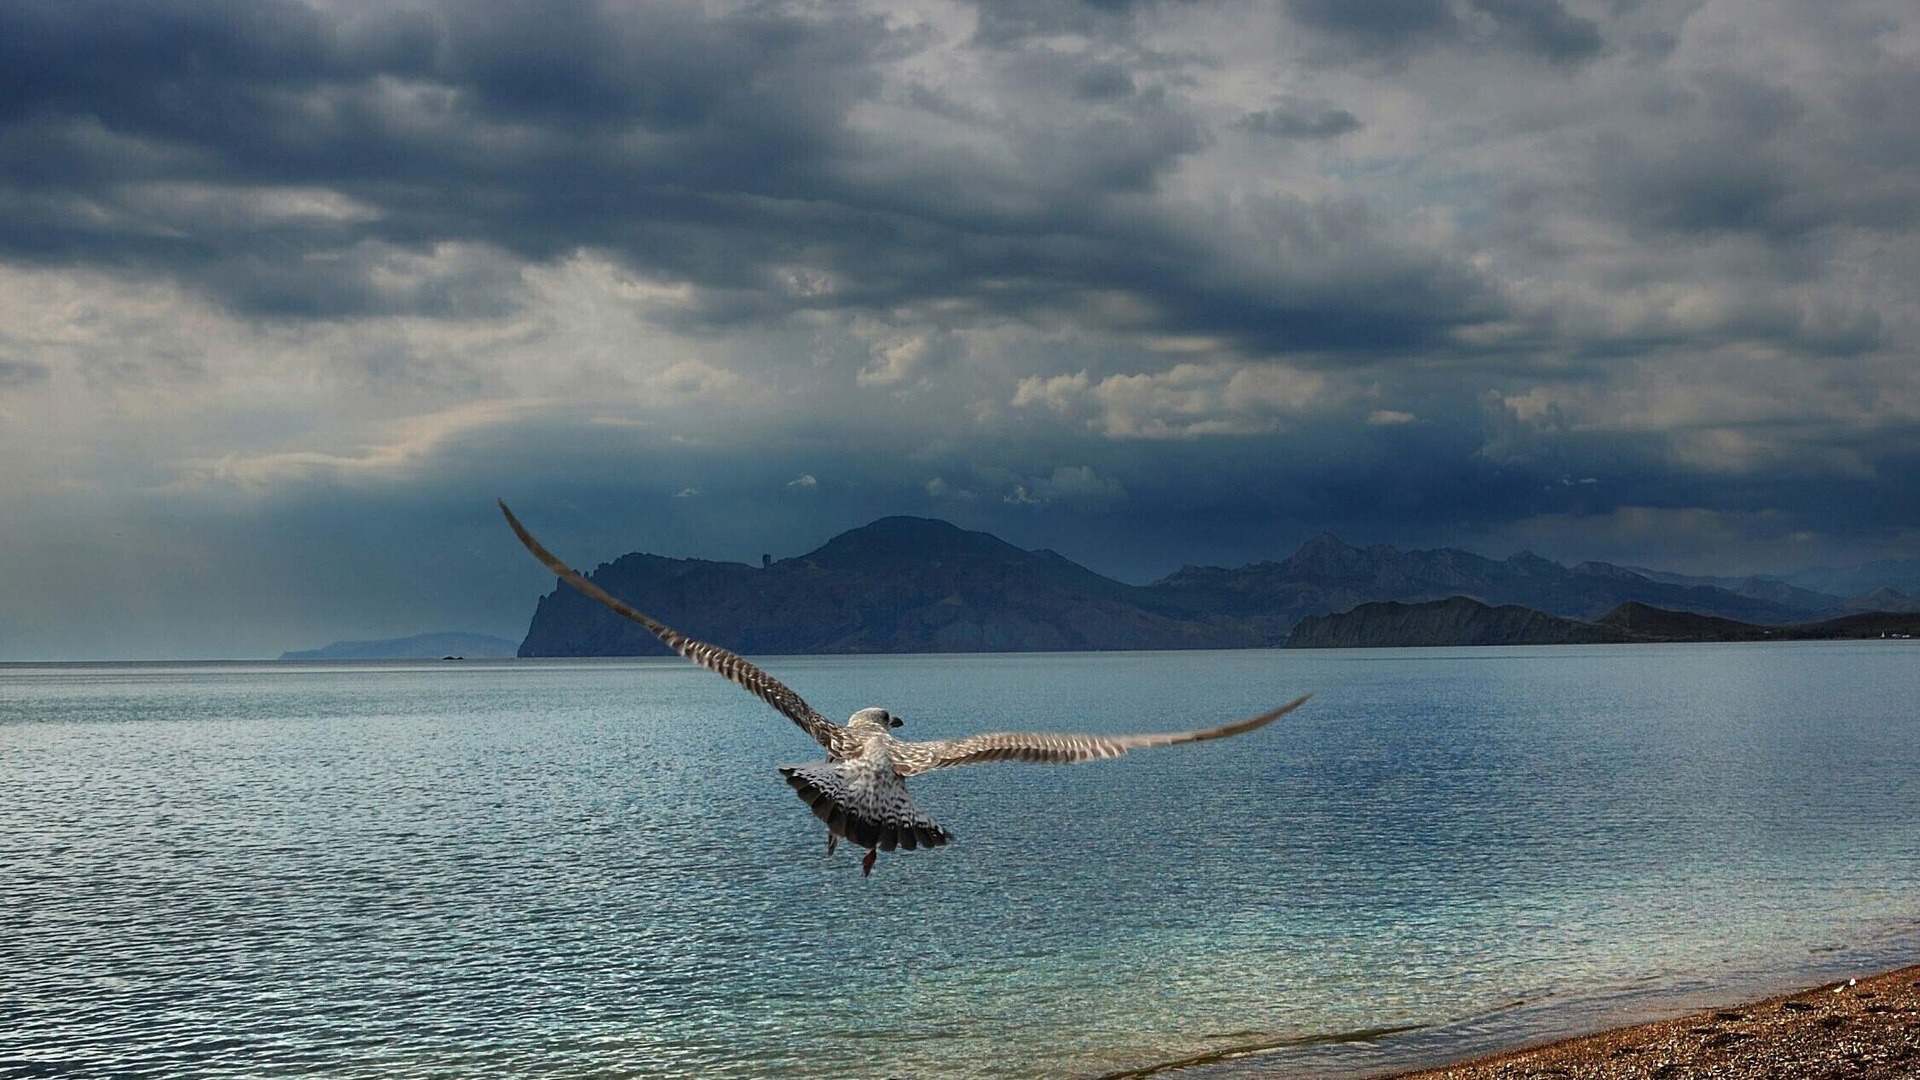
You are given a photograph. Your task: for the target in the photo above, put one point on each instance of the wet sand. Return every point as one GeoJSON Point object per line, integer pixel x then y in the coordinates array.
{"type": "Point", "coordinates": [1860, 1030]}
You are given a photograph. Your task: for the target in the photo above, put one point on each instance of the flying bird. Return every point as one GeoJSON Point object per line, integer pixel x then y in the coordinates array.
{"type": "Point", "coordinates": [860, 791]}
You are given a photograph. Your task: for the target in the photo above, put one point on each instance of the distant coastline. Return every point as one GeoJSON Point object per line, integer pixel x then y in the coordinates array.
{"type": "Point", "coordinates": [1461, 620]}
{"type": "Point", "coordinates": [917, 585]}
{"type": "Point", "coordinates": [433, 646]}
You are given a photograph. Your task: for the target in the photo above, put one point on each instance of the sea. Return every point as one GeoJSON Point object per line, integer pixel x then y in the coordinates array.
{"type": "Point", "coordinates": [591, 869]}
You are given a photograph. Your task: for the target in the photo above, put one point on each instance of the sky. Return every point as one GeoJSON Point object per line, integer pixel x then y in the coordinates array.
{"type": "Point", "coordinates": [290, 292]}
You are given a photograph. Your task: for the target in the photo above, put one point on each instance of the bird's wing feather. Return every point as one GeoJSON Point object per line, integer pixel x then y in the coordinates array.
{"type": "Point", "coordinates": [913, 758]}
{"type": "Point", "coordinates": [712, 657]}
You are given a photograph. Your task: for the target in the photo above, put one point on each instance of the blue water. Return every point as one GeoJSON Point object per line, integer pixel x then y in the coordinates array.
{"type": "Point", "coordinates": [591, 869]}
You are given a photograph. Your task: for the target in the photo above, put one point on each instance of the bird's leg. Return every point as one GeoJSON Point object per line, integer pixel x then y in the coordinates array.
{"type": "Point", "coordinates": [832, 841]}
{"type": "Point", "coordinates": [866, 864]}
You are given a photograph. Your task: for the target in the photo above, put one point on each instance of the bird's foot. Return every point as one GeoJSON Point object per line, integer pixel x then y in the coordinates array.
{"type": "Point", "coordinates": [866, 864]}
{"type": "Point", "coordinates": [832, 842]}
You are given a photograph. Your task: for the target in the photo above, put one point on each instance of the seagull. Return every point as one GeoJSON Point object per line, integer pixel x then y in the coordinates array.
{"type": "Point", "coordinates": [860, 791]}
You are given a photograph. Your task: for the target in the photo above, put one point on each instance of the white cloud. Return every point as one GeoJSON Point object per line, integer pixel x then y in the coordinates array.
{"type": "Point", "coordinates": [399, 450]}
{"type": "Point", "coordinates": [1075, 486]}
{"type": "Point", "coordinates": [938, 489]}
{"type": "Point", "coordinates": [695, 381]}
{"type": "Point", "coordinates": [1058, 393]}
{"type": "Point", "coordinates": [193, 205]}
{"type": "Point", "coordinates": [120, 385]}
{"type": "Point", "coordinates": [1188, 400]}
{"type": "Point", "coordinates": [896, 360]}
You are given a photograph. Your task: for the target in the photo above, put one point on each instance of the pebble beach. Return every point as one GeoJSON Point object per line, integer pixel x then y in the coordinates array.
{"type": "Point", "coordinates": [1860, 1029]}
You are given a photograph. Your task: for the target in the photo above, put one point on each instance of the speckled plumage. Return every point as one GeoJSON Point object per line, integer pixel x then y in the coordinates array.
{"type": "Point", "coordinates": [860, 791]}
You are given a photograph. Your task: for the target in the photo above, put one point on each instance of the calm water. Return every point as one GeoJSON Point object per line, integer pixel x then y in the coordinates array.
{"type": "Point", "coordinates": [591, 869]}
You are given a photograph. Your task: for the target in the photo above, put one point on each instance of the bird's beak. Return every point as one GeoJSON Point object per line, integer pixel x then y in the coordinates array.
{"type": "Point", "coordinates": [897, 721]}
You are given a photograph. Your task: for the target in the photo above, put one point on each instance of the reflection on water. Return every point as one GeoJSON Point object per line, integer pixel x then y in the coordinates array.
{"type": "Point", "coordinates": [591, 868]}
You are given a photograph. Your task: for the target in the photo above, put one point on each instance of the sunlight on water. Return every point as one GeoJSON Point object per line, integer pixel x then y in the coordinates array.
{"type": "Point", "coordinates": [591, 868]}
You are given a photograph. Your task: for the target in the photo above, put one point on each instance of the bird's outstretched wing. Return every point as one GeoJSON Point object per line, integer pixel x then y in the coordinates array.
{"type": "Point", "coordinates": [913, 758]}
{"type": "Point", "coordinates": [712, 657]}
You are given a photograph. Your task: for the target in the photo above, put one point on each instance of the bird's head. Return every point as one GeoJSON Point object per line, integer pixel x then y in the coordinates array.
{"type": "Point", "coordinates": [873, 719]}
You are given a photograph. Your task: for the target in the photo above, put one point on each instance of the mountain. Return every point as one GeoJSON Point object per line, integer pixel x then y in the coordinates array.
{"type": "Point", "coordinates": [1901, 575]}
{"type": "Point", "coordinates": [1327, 575]}
{"type": "Point", "coordinates": [904, 584]}
{"type": "Point", "coordinates": [418, 647]}
{"type": "Point", "coordinates": [1453, 621]}
{"type": "Point", "coordinates": [1757, 586]}
{"type": "Point", "coordinates": [1458, 620]}
{"type": "Point", "coordinates": [898, 585]}
{"type": "Point", "coordinates": [1886, 585]}
{"type": "Point", "coordinates": [1651, 624]}
{"type": "Point", "coordinates": [1882, 599]}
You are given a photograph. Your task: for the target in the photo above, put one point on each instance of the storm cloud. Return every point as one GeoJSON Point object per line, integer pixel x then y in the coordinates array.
{"type": "Point", "coordinates": [289, 290]}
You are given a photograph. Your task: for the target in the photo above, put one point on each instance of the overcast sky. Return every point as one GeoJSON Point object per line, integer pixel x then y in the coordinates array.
{"type": "Point", "coordinates": [289, 292]}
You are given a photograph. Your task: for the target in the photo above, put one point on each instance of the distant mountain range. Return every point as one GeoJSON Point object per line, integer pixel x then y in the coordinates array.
{"type": "Point", "coordinates": [1886, 585]}
{"type": "Point", "coordinates": [905, 584]}
{"type": "Point", "coordinates": [418, 647]}
{"type": "Point", "coordinates": [1460, 621]}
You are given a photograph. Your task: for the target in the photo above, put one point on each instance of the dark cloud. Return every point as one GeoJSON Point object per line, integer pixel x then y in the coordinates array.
{"type": "Point", "coordinates": [1542, 28]}
{"type": "Point", "coordinates": [1392, 30]}
{"type": "Point", "coordinates": [18, 373]}
{"type": "Point", "coordinates": [1378, 28]}
{"type": "Point", "coordinates": [1885, 132]}
{"type": "Point", "coordinates": [1008, 22]}
{"type": "Point", "coordinates": [1712, 186]}
{"type": "Point", "coordinates": [714, 151]}
{"type": "Point", "coordinates": [1103, 82]}
{"type": "Point", "coordinates": [710, 150]}
{"type": "Point", "coordinates": [1324, 275]}
{"type": "Point", "coordinates": [1141, 509]}
{"type": "Point", "coordinates": [1299, 121]}
{"type": "Point", "coordinates": [1748, 105]}
{"type": "Point", "coordinates": [538, 128]}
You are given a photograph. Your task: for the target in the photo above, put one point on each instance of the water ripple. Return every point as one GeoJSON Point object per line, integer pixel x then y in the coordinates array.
{"type": "Point", "coordinates": [590, 869]}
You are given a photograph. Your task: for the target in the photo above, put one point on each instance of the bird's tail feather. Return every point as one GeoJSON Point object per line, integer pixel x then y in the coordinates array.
{"type": "Point", "coordinates": [823, 788]}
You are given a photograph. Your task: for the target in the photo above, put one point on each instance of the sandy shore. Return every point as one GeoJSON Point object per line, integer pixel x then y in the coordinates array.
{"type": "Point", "coordinates": [1864, 1030]}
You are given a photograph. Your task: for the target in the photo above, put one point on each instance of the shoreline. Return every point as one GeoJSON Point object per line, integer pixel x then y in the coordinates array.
{"type": "Point", "coordinates": [1858, 1029]}
{"type": "Point", "coordinates": [1676, 1031]}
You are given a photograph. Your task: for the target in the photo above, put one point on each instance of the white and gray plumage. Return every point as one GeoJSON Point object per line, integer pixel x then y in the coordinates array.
{"type": "Point", "coordinates": [860, 791]}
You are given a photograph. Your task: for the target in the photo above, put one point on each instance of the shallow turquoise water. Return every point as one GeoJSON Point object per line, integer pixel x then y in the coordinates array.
{"type": "Point", "coordinates": [591, 869]}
